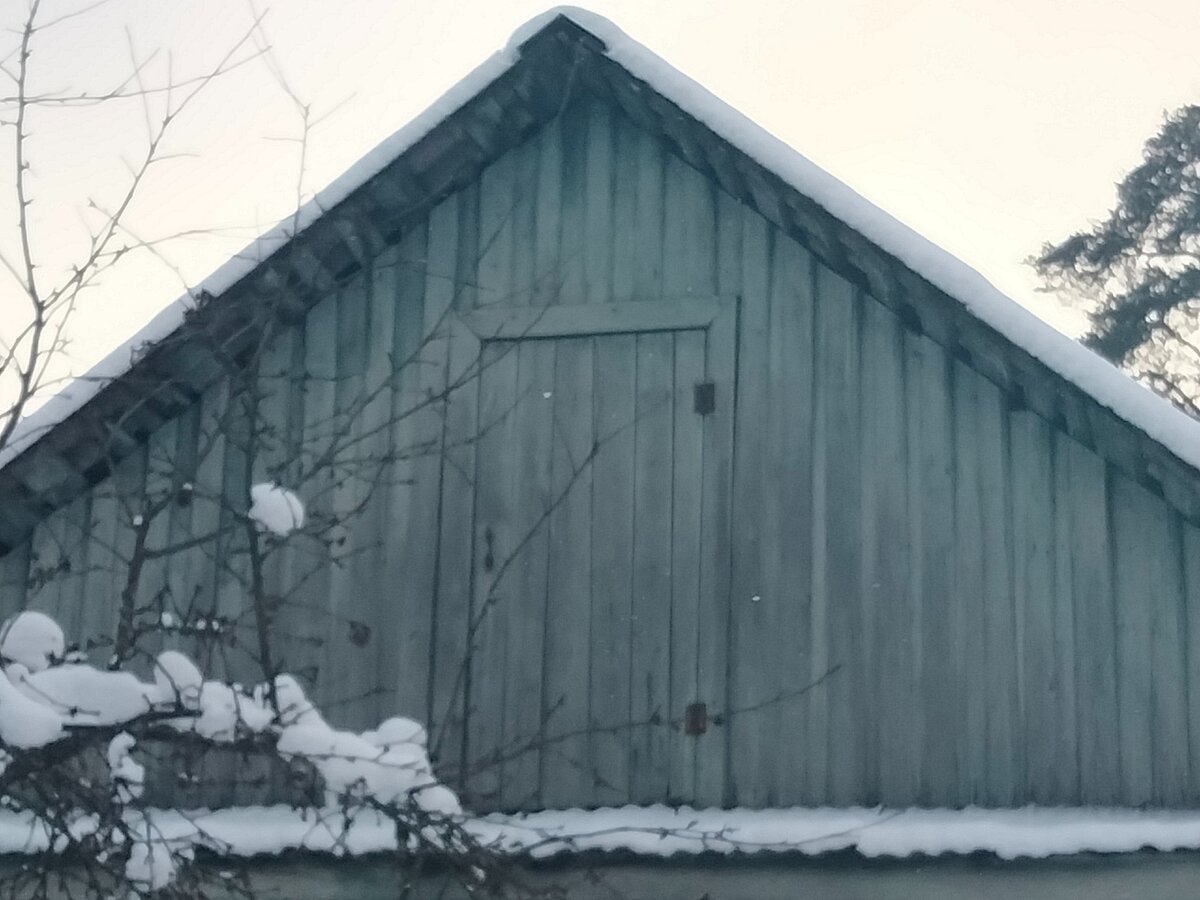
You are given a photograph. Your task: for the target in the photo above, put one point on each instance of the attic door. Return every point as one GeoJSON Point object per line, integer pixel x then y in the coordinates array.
{"type": "Point", "coordinates": [599, 535]}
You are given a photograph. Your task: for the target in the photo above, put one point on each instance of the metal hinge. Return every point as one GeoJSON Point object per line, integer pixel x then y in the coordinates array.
{"type": "Point", "coordinates": [704, 397]}
{"type": "Point", "coordinates": [695, 719]}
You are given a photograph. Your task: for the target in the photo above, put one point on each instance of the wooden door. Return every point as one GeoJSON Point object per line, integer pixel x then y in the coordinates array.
{"type": "Point", "coordinates": [599, 551]}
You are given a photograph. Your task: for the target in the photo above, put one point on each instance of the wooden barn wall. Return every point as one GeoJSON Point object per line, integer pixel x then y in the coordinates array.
{"type": "Point", "coordinates": [989, 612]}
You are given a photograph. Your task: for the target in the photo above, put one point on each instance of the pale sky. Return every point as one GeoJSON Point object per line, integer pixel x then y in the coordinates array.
{"type": "Point", "coordinates": [989, 127]}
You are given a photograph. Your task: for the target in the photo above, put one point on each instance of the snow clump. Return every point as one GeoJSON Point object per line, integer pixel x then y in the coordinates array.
{"type": "Point", "coordinates": [275, 508]}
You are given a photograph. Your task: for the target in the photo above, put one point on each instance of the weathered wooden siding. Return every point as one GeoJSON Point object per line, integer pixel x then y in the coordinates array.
{"type": "Point", "coordinates": [890, 585]}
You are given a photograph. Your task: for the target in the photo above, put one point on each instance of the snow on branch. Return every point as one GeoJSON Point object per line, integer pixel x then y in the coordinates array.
{"type": "Point", "coordinates": [53, 711]}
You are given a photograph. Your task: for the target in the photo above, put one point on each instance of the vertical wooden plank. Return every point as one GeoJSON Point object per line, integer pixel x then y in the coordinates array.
{"type": "Point", "coordinates": [598, 223]}
{"type": "Point", "coordinates": [689, 232]}
{"type": "Point", "coordinates": [449, 430]}
{"type": "Point", "coordinates": [1002, 620]}
{"type": "Point", "coordinates": [309, 617]}
{"type": "Point", "coordinates": [1095, 640]}
{"type": "Point", "coordinates": [350, 679]}
{"type": "Point", "coordinates": [14, 578]}
{"type": "Point", "coordinates": [757, 541]}
{"type": "Point", "coordinates": [626, 239]}
{"type": "Point", "coordinates": [1034, 590]}
{"type": "Point", "coordinates": [712, 653]}
{"type": "Point", "coordinates": [836, 549]}
{"type": "Point", "coordinates": [101, 586]}
{"type": "Point", "coordinates": [154, 585]}
{"type": "Point", "coordinates": [379, 523]}
{"type": "Point", "coordinates": [1190, 536]}
{"type": "Point", "coordinates": [786, 523]}
{"type": "Point", "coordinates": [469, 244]}
{"type": "Point", "coordinates": [408, 506]}
{"type": "Point", "coordinates": [237, 659]}
{"type": "Point", "coordinates": [525, 227]}
{"type": "Point", "coordinates": [612, 550]}
{"type": "Point", "coordinates": [932, 509]}
{"type": "Point", "coordinates": [649, 162]}
{"type": "Point", "coordinates": [522, 604]}
{"type": "Point", "coordinates": [181, 566]}
{"type": "Point", "coordinates": [572, 242]}
{"type": "Point", "coordinates": [886, 553]}
{"type": "Point", "coordinates": [498, 540]}
{"type": "Point", "coordinates": [969, 633]}
{"type": "Point", "coordinates": [565, 776]}
{"type": "Point", "coordinates": [1168, 676]}
{"type": "Point", "coordinates": [686, 566]}
{"type": "Point", "coordinates": [1132, 518]}
{"type": "Point", "coordinates": [548, 216]}
{"type": "Point", "coordinates": [653, 482]}
{"type": "Point", "coordinates": [497, 204]}
{"type": "Point", "coordinates": [1067, 770]}
{"type": "Point", "coordinates": [48, 566]}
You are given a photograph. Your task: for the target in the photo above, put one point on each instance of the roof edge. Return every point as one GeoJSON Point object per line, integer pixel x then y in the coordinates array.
{"type": "Point", "coordinates": [1094, 376]}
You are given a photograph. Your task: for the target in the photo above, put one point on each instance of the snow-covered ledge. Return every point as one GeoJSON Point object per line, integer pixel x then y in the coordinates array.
{"type": "Point", "coordinates": [660, 831]}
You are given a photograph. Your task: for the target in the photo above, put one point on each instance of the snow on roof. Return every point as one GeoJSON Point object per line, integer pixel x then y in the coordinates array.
{"type": "Point", "coordinates": [666, 831]}
{"type": "Point", "coordinates": [1109, 386]}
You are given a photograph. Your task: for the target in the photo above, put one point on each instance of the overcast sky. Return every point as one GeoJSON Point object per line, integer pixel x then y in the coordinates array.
{"type": "Point", "coordinates": [989, 127]}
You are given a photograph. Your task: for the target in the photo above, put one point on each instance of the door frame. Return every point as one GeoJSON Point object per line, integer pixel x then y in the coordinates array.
{"type": "Point", "coordinates": [701, 762]}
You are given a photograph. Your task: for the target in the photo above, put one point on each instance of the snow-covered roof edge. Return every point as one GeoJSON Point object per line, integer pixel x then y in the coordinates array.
{"type": "Point", "coordinates": [1094, 375]}
{"type": "Point", "coordinates": [117, 363]}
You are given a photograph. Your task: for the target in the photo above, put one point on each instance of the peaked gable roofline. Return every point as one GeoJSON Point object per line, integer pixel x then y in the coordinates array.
{"type": "Point", "coordinates": [783, 185]}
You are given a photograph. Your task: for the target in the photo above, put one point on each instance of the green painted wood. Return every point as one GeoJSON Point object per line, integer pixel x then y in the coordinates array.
{"type": "Point", "coordinates": [931, 577]}
{"type": "Point", "coordinates": [498, 541]}
{"type": "Point", "coordinates": [612, 622]}
{"type": "Point", "coordinates": [712, 652]}
{"type": "Point", "coordinates": [14, 578]}
{"type": "Point", "coordinates": [448, 368]}
{"type": "Point", "coordinates": [406, 501]}
{"type": "Point", "coordinates": [837, 629]}
{"type": "Point", "coordinates": [1066, 772]}
{"type": "Point", "coordinates": [181, 562]}
{"type": "Point", "coordinates": [573, 248]}
{"type": "Point", "coordinates": [497, 208]}
{"type": "Point", "coordinates": [522, 605]}
{"type": "Point", "coordinates": [885, 555]}
{"type": "Point", "coordinates": [1019, 620]}
{"type": "Point", "coordinates": [787, 550]}
{"type": "Point", "coordinates": [547, 236]}
{"type": "Point", "coordinates": [154, 583]}
{"type": "Point", "coordinates": [350, 681]}
{"type": "Point", "coordinates": [689, 232]}
{"type": "Point", "coordinates": [626, 239]}
{"type": "Point", "coordinates": [526, 174]}
{"type": "Point", "coordinates": [1133, 599]}
{"type": "Point", "coordinates": [598, 203]}
{"type": "Point", "coordinates": [564, 767]}
{"type": "Point", "coordinates": [756, 556]}
{"type": "Point", "coordinates": [1002, 619]}
{"type": "Point", "coordinates": [1092, 557]}
{"type": "Point", "coordinates": [969, 634]}
{"type": "Point", "coordinates": [650, 661]}
{"type": "Point", "coordinates": [648, 171]}
{"type": "Point", "coordinates": [1168, 676]}
{"type": "Point", "coordinates": [687, 516]}
{"type": "Point", "coordinates": [1190, 538]}
{"type": "Point", "coordinates": [1034, 588]}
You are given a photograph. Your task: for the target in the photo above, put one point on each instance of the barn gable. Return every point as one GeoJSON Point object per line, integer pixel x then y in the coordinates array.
{"type": "Point", "coordinates": [780, 520]}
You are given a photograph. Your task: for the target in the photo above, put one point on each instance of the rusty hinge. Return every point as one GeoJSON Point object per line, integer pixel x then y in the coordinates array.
{"type": "Point", "coordinates": [695, 719]}
{"type": "Point", "coordinates": [704, 398]}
